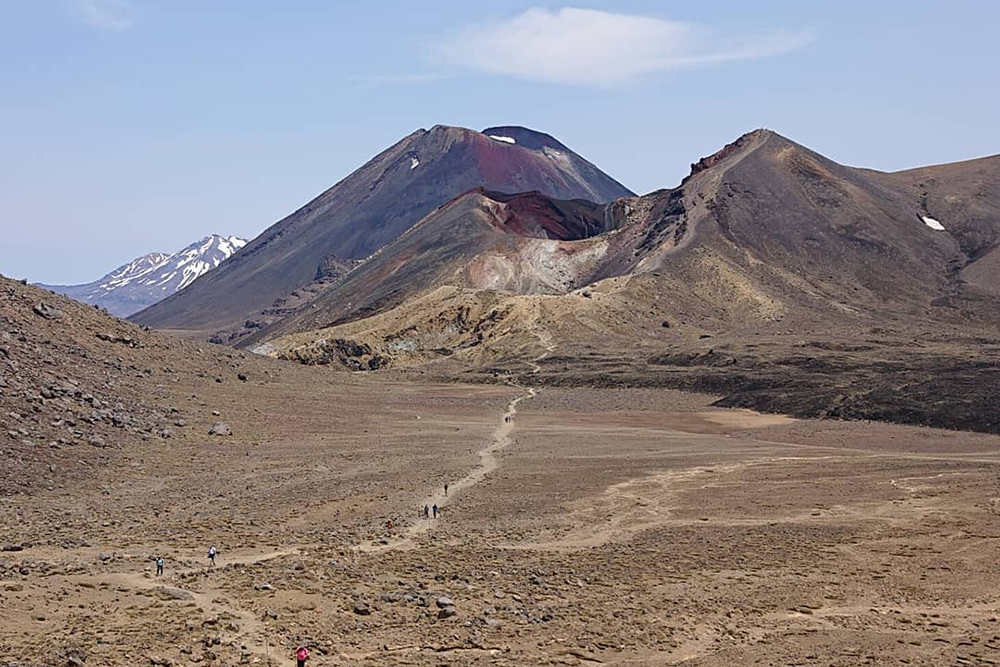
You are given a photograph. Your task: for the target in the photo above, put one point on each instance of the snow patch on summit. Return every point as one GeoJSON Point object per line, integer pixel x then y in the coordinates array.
{"type": "Point", "coordinates": [506, 140]}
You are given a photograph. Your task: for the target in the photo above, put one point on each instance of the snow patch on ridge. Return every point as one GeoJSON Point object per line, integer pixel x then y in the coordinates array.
{"type": "Point", "coordinates": [932, 223]}
{"type": "Point", "coordinates": [414, 163]}
{"type": "Point", "coordinates": [148, 279]}
{"type": "Point", "coordinates": [506, 140]}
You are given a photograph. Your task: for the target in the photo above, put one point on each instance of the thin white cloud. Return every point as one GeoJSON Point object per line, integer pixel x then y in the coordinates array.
{"type": "Point", "coordinates": [113, 15]}
{"type": "Point", "coordinates": [596, 48]}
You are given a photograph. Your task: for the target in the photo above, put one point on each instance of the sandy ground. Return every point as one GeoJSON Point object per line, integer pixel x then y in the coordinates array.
{"type": "Point", "coordinates": [581, 526]}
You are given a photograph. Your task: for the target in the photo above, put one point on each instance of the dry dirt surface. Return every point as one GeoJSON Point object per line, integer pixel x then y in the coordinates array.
{"type": "Point", "coordinates": [581, 526]}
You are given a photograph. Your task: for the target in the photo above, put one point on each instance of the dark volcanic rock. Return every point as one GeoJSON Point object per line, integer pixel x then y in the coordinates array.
{"type": "Point", "coordinates": [220, 428]}
{"type": "Point", "coordinates": [48, 312]}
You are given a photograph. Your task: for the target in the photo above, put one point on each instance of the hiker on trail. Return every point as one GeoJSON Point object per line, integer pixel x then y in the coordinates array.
{"type": "Point", "coordinates": [446, 489]}
{"type": "Point", "coordinates": [211, 554]}
{"type": "Point", "coordinates": [388, 524]}
{"type": "Point", "coordinates": [301, 655]}
{"type": "Point", "coordinates": [435, 510]}
{"type": "Point", "coordinates": [427, 512]}
{"type": "Point", "coordinates": [159, 566]}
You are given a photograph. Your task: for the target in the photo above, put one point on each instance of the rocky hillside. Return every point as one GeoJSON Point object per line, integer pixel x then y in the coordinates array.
{"type": "Point", "coordinates": [372, 207]}
{"type": "Point", "coordinates": [153, 277]}
{"type": "Point", "coordinates": [79, 388]}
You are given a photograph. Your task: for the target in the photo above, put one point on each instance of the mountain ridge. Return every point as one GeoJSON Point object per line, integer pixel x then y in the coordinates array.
{"type": "Point", "coordinates": [151, 277]}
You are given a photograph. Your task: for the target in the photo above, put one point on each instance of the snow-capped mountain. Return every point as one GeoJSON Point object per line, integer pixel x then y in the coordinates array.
{"type": "Point", "coordinates": [150, 278]}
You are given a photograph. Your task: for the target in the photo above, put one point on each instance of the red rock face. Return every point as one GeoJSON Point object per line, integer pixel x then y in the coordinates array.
{"type": "Point", "coordinates": [720, 155]}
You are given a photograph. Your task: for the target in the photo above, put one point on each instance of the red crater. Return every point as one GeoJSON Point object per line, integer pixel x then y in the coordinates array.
{"type": "Point", "coordinates": [534, 215]}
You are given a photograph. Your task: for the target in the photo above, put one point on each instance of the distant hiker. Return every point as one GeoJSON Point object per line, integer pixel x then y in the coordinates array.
{"type": "Point", "coordinates": [159, 566]}
{"type": "Point", "coordinates": [388, 524]}
{"type": "Point", "coordinates": [301, 655]}
{"type": "Point", "coordinates": [212, 552]}
{"type": "Point", "coordinates": [435, 510]}
{"type": "Point", "coordinates": [446, 489]}
{"type": "Point", "coordinates": [427, 512]}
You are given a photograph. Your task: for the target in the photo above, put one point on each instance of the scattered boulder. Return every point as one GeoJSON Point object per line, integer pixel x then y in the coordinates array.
{"type": "Point", "coordinates": [111, 338]}
{"type": "Point", "coordinates": [220, 428]}
{"type": "Point", "coordinates": [75, 657]}
{"type": "Point", "coordinates": [361, 608]}
{"type": "Point", "coordinates": [43, 309]}
{"type": "Point", "coordinates": [445, 601]}
{"type": "Point", "coordinates": [447, 612]}
{"type": "Point", "coordinates": [176, 593]}
{"type": "Point", "coordinates": [242, 377]}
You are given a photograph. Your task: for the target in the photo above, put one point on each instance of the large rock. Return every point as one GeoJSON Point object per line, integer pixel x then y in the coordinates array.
{"type": "Point", "coordinates": [75, 657]}
{"type": "Point", "coordinates": [176, 593]}
{"type": "Point", "coordinates": [48, 312]}
{"type": "Point", "coordinates": [220, 428]}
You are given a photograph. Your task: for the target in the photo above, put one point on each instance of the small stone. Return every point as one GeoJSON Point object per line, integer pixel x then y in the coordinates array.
{"type": "Point", "coordinates": [361, 608]}
{"type": "Point", "coordinates": [445, 601]}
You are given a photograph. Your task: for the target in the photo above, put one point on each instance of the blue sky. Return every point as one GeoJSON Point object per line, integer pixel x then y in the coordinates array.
{"type": "Point", "coordinates": [128, 126]}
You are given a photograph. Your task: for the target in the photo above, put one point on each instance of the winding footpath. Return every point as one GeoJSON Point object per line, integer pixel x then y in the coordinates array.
{"type": "Point", "coordinates": [209, 598]}
{"type": "Point", "coordinates": [251, 631]}
{"type": "Point", "coordinates": [488, 463]}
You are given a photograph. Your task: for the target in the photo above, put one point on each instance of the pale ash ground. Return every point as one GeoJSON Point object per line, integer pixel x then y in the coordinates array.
{"type": "Point", "coordinates": [621, 527]}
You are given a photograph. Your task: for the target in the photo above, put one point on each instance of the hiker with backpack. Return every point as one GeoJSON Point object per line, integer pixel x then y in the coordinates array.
{"type": "Point", "coordinates": [301, 655]}
{"type": "Point", "coordinates": [212, 552]}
